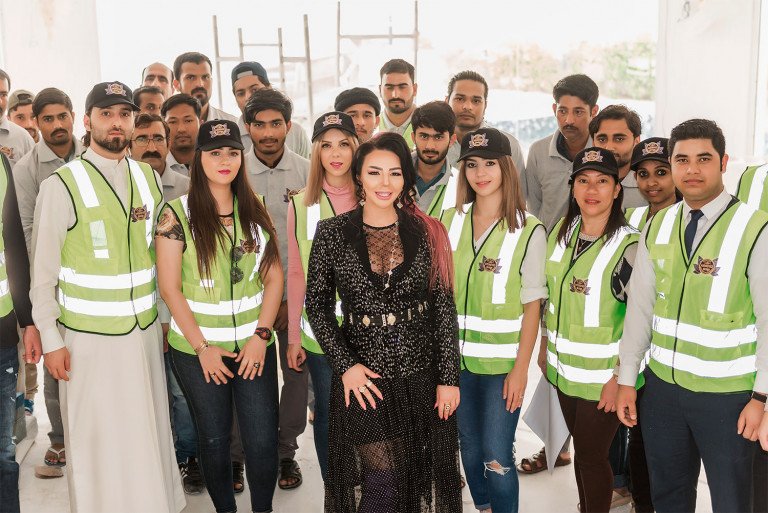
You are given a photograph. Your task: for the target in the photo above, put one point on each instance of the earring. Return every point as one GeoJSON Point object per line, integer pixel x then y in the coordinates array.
{"type": "Point", "coordinates": [362, 198]}
{"type": "Point", "coordinates": [362, 202]}
{"type": "Point", "coordinates": [399, 204]}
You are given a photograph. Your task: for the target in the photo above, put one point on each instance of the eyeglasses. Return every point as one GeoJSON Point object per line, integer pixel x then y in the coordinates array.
{"type": "Point", "coordinates": [236, 274]}
{"type": "Point", "coordinates": [143, 140]}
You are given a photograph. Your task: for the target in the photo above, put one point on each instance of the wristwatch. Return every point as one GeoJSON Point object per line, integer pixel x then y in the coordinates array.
{"type": "Point", "coordinates": [757, 396]}
{"type": "Point", "coordinates": [263, 333]}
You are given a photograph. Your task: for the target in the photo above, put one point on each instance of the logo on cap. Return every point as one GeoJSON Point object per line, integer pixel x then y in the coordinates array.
{"type": "Point", "coordinates": [478, 140]}
{"type": "Point", "coordinates": [116, 88]}
{"type": "Point", "coordinates": [652, 147]}
{"type": "Point", "coordinates": [219, 130]}
{"type": "Point", "coordinates": [332, 119]}
{"type": "Point", "coordinates": [592, 156]}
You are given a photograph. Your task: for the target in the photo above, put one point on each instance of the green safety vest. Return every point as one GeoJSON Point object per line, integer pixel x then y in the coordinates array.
{"type": "Point", "coordinates": [227, 313]}
{"type": "Point", "coordinates": [107, 276]}
{"type": "Point", "coordinates": [306, 224]}
{"type": "Point", "coordinates": [584, 319]}
{"type": "Point", "coordinates": [6, 302]}
{"type": "Point", "coordinates": [752, 190]}
{"type": "Point", "coordinates": [703, 334]}
{"type": "Point", "coordinates": [488, 284]}
{"type": "Point", "coordinates": [407, 135]}
{"type": "Point", "coordinates": [637, 217]}
{"type": "Point", "coordinates": [445, 196]}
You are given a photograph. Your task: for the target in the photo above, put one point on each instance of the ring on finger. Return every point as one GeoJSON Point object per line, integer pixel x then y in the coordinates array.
{"type": "Point", "coordinates": [257, 365]}
{"type": "Point", "coordinates": [362, 389]}
{"type": "Point", "coordinates": [369, 383]}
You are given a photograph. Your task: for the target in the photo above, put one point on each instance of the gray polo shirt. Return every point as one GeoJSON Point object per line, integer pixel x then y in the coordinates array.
{"type": "Point", "coordinates": [15, 142]}
{"type": "Point", "coordinates": [214, 113]}
{"type": "Point", "coordinates": [517, 153]}
{"type": "Point", "coordinates": [545, 181]}
{"type": "Point", "coordinates": [632, 196]}
{"type": "Point", "coordinates": [278, 185]}
{"type": "Point", "coordinates": [174, 184]}
{"type": "Point", "coordinates": [29, 172]}
{"type": "Point", "coordinates": [175, 165]}
{"type": "Point", "coordinates": [296, 140]}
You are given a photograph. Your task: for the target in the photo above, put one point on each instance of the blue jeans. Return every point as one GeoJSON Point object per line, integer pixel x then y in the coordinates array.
{"type": "Point", "coordinates": [9, 469]}
{"type": "Point", "coordinates": [486, 439]}
{"type": "Point", "coordinates": [683, 428]}
{"type": "Point", "coordinates": [321, 384]}
{"type": "Point", "coordinates": [185, 435]}
{"type": "Point", "coordinates": [257, 416]}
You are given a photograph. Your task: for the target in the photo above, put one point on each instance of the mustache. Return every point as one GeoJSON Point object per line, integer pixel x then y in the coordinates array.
{"type": "Point", "coordinates": [199, 90]}
{"type": "Point", "coordinates": [269, 140]}
{"type": "Point", "coordinates": [569, 127]}
{"type": "Point", "coordinates": [59, 131]}
{"type": "Point", "coordinates": [152, 155]}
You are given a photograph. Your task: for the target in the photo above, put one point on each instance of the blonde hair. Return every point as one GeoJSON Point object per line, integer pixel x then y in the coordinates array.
{"type": "Point", "coordinates": [314, 187]}
{"type": "Point", "coordinates": [512, 208]}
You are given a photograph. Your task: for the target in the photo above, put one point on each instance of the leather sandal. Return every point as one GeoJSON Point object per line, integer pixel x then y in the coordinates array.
{"type": "Point", "coordinates": [289, 471]}
{"type": "Point", "coordinates": [237, 476]}
{"type": "Point", "coordinates": [538, 463]}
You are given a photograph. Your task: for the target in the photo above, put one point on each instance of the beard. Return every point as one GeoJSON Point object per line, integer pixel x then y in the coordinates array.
{"type": "Point", "coordinates": [114, 143]}
{"type": "Point", "coordinates": [201, 94]}
{"type": "Point", "coordinates": [432, 160]}
{"type": "Point", "coordinates": [399, 106]}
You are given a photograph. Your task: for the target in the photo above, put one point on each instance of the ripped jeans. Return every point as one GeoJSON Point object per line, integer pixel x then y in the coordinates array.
{"type": "Point", "coordinates": [487, 438]}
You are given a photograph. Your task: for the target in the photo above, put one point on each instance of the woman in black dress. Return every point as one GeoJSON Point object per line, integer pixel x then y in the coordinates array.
{"type": "Point", "coordinates": [393, 443]}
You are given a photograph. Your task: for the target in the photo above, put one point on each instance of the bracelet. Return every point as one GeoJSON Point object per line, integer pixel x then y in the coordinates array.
{"type": "Point", "coordinates": [202, 347]}
{"type": "Point", "coordinates": [263, 333]}
{"type": "Point", "coordinates": [757, 396]}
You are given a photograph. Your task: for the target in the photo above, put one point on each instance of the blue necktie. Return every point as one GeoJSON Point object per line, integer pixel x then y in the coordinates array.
{"type": "Point", "coordinates": [690, 230]}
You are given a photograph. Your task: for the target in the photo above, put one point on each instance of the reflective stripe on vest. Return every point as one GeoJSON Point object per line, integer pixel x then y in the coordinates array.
{"type": "Point", "coordinates": [446, 196]}
{"type": "Point", "coordinates": [146, 197]}
{"type": "Point", "coordinates": [6, 301]}
{"type": "Point", "coordinates": [636, 217]}
{"type": "Point", "coordinates": [754, 197]}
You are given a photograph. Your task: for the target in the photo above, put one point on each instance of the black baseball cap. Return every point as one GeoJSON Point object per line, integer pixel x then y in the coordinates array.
{"type": "Point", "coordinates": [595, 159]}
{"type": "Point", "coordinates": [487, 143]}
{"type": "Point", "coordinates": [355, 96]}
{"type": "Point", "coordinates": [653, 148]}
{"type": "Point", "coordinates": [106, 94]}
{"type": "Point", "coordinates": [218, 133]}
{"type": "Point", "coordinates": [249, 68]}
{"type": "Point", "coordinates": [333, 119]}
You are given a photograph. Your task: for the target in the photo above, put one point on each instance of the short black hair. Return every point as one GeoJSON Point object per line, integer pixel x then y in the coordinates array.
{"type": "Point", "coordinates": [4, 76]}
{"type": "Point", "coordinates": [267, 99]}
{"type": "Point", "coordinates": [580, 86]}
{"type": "Point", "coordinates": [145, 90]}
{"type": "Point", "coordinates": [193, 57]}
{"type": "Point", "coordinates": [181, 99]}
{"type": "Point", "coordinates": [698, 129]}
{"type": "Point", "coordinates": [617, 112]}
{"type": "Point", "coordinates": [468, 75]}
{"type": "Point", "coordinates": [436, 115]}
{"type": "Point", "coordinates": [143, 120]}
{"type": "Point", "coordinates": [50, 96]}
{"type": "Point", "coordinates": [398, 66]}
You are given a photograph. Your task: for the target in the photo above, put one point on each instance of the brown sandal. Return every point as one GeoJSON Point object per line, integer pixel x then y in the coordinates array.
{"type": "Point", "coordinates": [538, 463]}
{"type": "Point", "coordinates": [237, 476]}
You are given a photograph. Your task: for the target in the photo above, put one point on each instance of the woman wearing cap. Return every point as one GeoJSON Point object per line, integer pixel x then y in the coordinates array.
{"type": "Point", "coordinates": [219, 274]}
{"type": "Point", "coordinates": [395, 356]}
{"type": "Point", "coordinates": [498, 255]}
{"type": "Point", "coordinates": [329, 192]}
{"type": "Point", "coordinates": [650, 162]}
{"type": "Point", "coordinates": [589, 261]}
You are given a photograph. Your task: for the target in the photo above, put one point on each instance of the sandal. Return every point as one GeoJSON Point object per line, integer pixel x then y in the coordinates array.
{"type": "Point", "coordinates": [290, 472]}
{"type": "Point", "coordinates": [538, 463]}
{"type": "Point", "coordinates": [59, 458]}
{"type": "Point", "coordinates": [237, 476]}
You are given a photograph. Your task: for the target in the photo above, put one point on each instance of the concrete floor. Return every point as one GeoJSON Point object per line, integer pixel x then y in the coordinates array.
{"type": "Point", "coordinates": [543, 492]}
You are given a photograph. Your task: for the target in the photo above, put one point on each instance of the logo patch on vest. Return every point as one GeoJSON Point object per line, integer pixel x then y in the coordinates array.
{"type": "Point", "coordinates": [652, 148]}
{"type": "Point", "coordinates": [491, 265]}
{"type": "Point", "coordinates": [478, 140]}
{"type": "Point", "coordinates": [249, 247]}
{"type": "Point", "coordinates": [290, 193]}
{"type": "Point", "coordinates": [7, 151]}
{"type": "Point", "coordinates": [592, 156]}
{"type": "Point", "coordinates": [219, 130]}
{"type": "Point", "coordinates": [706, 266]}
{"type": "Point", "coordinates": [332, 119]}
{"type": "Point", "coordinates": [139, 213]}
{"type": "Point", "coordinates": [579, 286]}
{"type": "Point", "coordinates": [115, 89]}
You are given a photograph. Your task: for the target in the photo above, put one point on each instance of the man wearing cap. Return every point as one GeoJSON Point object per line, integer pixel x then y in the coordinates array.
{"type": "Point", "coordinates": [398, 90]}
{"type": "Point", "coordinates": [149, 99]}
{"type": "Point", "coordinates": [277, 173]}
{"type": "Point", "coordinates": [247, 78]}
{"type": "Point", "coordinates": [698, 306]}
{"type": "Point", "coordinates": [182, 114]}
{"type": "Point", "coordinates": [468, 97]}
{"type": "Point", "coordinates": [94, 301]}
{"type": "Point", "coordinates": [15, 142]}
{"type": "Point", "coordinates": [194, 77]}
{"type": "Point", "coordinates": [20, 111]}
{"type": "Point", "coordinates": [363, 107]}
{"type": "Point", "coordinates": [158, 75]}
{"type": "Point", "coordinates": [550, 160]}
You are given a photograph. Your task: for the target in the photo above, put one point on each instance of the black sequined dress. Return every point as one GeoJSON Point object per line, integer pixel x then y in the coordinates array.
{"type": "Point", "coordinates": [400, 457]}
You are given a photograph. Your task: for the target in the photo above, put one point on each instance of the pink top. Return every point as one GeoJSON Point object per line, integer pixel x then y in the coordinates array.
{"type": "Point", "coordinates": [343, 200]}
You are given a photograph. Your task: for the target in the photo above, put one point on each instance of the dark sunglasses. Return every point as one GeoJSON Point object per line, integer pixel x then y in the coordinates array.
{"type": "Point", "coordinates": [235, 273]}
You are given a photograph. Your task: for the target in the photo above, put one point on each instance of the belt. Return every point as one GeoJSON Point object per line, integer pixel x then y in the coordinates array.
{"type": "Point", "coordinates": [391, 318]}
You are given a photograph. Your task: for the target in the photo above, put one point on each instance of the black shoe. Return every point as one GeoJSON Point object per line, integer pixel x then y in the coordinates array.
{"type": "Point", "coordinates": [191, 478]}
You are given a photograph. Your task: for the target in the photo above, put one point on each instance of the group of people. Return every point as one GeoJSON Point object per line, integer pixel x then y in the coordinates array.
{"type": "Point", "coordinates": [399, 265]}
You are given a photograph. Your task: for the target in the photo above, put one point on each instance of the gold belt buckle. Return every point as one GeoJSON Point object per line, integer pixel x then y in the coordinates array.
{"type": "Point", "coordinates": [366, 320]}
{"type": "Point", "coordinates": [391, 319]}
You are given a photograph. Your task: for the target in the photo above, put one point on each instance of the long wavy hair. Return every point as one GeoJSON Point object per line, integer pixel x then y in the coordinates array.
{"type": "Point", "coordinates": [512, 208]}
{"type": "Point", "coordinates": [205, 224]}
{"type": "Point", "coordinates": [441, 273]}
{"type": "Point", "coordinates": [317, 173]}
{"type": "Point", "coordinates": [616, 219]}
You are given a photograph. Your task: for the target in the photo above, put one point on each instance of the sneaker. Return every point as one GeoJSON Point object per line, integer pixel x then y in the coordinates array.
{"type": "Point", "coordinates": [191, 477]}
{"type": "Point", "coordinates": [29, 406]}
